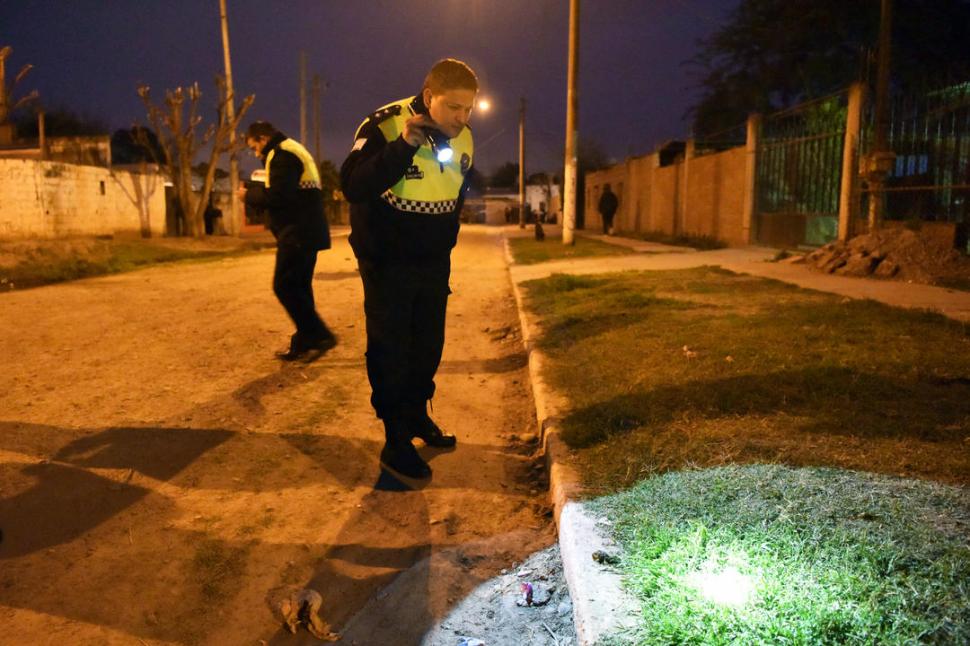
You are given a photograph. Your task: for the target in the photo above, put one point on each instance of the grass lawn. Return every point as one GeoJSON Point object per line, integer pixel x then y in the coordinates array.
{"type": "Point", "coordinates": [697, 242]}
{"type": "Point", "coordinates": [528, 251]}
{"type": "Point", "coordinates": [42, 262]}
{"type": "Point", "coordinates": [774, 555]}
{"type": "Point", "coordinates": [742, 427]}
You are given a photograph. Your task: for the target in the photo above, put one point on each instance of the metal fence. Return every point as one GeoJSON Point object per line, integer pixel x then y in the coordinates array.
{"type": "Point", "coordinates": [930, 135]}
{"type": "Point", "coordinates": [715, 142]}
{"type": "Point", "coordinates": [799, 171]}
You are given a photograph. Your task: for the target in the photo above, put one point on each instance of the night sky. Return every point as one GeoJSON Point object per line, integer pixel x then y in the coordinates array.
{"type": "Point", "coordinates": [89, 55]}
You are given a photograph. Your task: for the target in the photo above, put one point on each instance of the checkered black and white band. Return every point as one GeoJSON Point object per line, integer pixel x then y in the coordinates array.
{"type": "Point", "coordinates": [418, 206]}
{"type": "Point", "coordinates": [310, 184]}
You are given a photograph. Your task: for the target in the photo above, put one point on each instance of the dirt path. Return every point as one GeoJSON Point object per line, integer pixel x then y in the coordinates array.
{"type": "Point", "coordinates": [163, 479]}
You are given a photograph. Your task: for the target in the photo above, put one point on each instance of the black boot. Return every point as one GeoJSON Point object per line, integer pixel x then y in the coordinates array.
{"type": "Point", "coordinates": [308, 350]}
{"type": "Point", "coordinates": [399, 455]}
{"type": "Point", "coordinates": [423, 427]}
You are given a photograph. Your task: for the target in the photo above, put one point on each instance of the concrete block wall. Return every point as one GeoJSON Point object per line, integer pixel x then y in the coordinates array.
{"type": "Point", "coordinates": [665, 202]}
{"type": "Point", "coordinates": [700, 196]}
{"type": "Point", "coordinates": [715, 196]}
{"type": "Point", "coordinates": [41, 199]}
{"type": "Point", "coordinates": [637, 194]}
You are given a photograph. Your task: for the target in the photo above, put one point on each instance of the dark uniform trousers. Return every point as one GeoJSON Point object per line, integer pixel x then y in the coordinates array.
{"type": "Point", "coordinates": [405, 306]}
{"type": "Point", "coordinates": [293, 285]}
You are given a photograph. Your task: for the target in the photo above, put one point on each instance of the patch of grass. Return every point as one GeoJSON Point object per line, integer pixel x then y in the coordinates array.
{"type": "Point", "coordinates": [960, 284]}
{"type": "Point", "coordinates": [59, 261]}
{"type": "Point", "coordinates": [705, 367]}
{"type": "Point", "coordinates": [528, 251]}
{"type": "Point", "coordinates": [701, 242]}
{"type": "Point", "coordinates": [217, 567]}
{"type": "Point", "coordinates": [772, 555]}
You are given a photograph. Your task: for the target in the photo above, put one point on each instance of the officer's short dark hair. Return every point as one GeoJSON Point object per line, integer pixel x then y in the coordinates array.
{"type": "Point", "coordinates": [450, 74]}
{"type": "Point", "coordinates": [259, 129]}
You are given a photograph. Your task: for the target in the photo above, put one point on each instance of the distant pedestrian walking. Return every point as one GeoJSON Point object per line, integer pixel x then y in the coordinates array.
{"type": "Point", "coordinates": [607, 208]}
{"type": "Point", "coordinates": [293, 198]}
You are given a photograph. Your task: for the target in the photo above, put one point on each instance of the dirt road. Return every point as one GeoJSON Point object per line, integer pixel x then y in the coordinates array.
{"type": "Point", "coordinates": [164, 480]}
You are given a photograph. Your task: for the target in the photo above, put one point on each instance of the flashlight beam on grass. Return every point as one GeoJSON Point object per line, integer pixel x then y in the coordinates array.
{"type": "Point", "coordinates": [725, 587]}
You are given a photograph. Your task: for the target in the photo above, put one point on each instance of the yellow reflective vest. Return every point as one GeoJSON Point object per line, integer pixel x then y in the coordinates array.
{"type": "Point", "coordinates": [310, 177]}
{"type": "Point", "coordinates": [428, 186]}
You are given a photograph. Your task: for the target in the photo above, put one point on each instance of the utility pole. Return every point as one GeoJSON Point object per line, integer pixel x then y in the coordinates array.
{"type": "Point", "coordinates": [42, 135]}
{"type": "Point", "coordinates": [881, 158]}
{"type": "Point", "coordinates": [316, 119]}
{"type": "Point", "coordinates": [522, 163]}
{"type": "Point", "coordinates": [235, 217]}
{"type": "Point", "coordinates": [303, 97]}
{"type": "Point", "coordinates": [572, 135]}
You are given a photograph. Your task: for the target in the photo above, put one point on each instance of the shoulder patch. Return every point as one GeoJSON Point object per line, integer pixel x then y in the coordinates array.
{"type": "Point", "coordinates": [385, 113]}
{"type": "Point", "coordinates": [376, 118]}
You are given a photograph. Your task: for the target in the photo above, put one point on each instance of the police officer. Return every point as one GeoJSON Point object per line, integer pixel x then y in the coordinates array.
{"type": "Point", "coordinates": [406, 177]}
{"type": "Point", "coordinates": [293, 197]}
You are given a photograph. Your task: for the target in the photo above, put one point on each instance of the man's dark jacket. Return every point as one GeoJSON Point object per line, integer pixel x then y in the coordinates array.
{"type": "Point", "coordinates": [296, 214]}
{"type": "Point", "coordinates": [380, 232]}
{"type": "Point", "coordinates": [608, 204]}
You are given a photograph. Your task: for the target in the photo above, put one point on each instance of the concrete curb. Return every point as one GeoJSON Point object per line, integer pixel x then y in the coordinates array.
{"type": "Point", "coordinates": [600, 605]}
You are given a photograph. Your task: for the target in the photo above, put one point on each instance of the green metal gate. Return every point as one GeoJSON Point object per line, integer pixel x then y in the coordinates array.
{"type": "Point", "coordinates": [930, 136]}
{"type": "Point", "coordinates": [799, 173]}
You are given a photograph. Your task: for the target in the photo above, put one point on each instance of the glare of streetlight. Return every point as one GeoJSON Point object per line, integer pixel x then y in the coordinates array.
{"type": "Point", "coordinates": [484, 105]}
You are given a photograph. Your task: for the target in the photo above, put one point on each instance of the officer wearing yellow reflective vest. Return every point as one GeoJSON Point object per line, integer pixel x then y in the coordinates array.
{"type": "Point", "coordinates": [406, 194]}
{"type": "Point", "coordinates": [293, 198]}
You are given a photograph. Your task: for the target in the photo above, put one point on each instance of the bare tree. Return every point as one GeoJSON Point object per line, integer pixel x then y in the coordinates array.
{"type": "Point", "coordinates": [7, 104]}
{"type": "Point", "coordinates": [177, 125]}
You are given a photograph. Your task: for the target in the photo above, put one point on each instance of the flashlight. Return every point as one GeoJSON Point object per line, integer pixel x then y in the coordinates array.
{"type": "Point", "coordinates": [440, 146]}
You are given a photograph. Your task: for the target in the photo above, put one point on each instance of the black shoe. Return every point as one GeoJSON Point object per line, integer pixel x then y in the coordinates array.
{"type": "Point", "coordinates": [319, 348]}
{"type": "Point", "coordinates": [309, 352]}
{"type": "Point", "coordinates": [290, 355]}
{"type": "Point", "coordinates": [424, 428]}
{"type": "Point", "coordinates": [401, 457]}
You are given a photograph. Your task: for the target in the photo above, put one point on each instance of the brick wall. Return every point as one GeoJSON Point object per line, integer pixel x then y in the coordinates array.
{"type": "Point", "coordinates": [702, 196]}
{"type": "Point", "coordinates": [40, 199]}
{"type": "Point", "coordinates": [715, 196]}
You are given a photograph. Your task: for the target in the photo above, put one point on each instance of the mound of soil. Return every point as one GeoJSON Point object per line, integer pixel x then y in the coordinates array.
{"type": "Point", "coordinates": [897, 253]}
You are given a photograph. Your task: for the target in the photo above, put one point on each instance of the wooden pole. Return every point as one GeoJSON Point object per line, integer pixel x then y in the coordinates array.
{"type": "Point", "coordinates": [317, 153]}
{"type": "Point", "coordinates": [235, 216]}
{"type": "Point", "coordinates": [572, 134]}
{"type": "Point", "coordinates": [303, 133]}
{"type": "Point", "coordinates": [882, 157]}
{"type": "Point", "coordinates": [850, 152]}
{"type": "Point", "coordinates": [522, 163]}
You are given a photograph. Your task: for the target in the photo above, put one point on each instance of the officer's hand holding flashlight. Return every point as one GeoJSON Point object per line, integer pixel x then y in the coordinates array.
{"type": "Point", "coordinates": [415, 129]}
